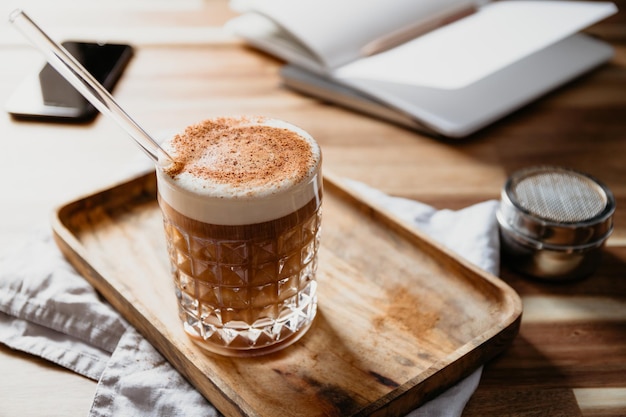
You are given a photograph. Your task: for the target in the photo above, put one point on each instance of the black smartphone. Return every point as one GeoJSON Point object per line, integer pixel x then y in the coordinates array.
{"type": "Point", "coordinates": [47, 96]}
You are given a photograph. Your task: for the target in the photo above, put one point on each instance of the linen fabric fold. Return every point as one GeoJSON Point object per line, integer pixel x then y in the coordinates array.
{"type": "Point", "coordinates": [47, 309]}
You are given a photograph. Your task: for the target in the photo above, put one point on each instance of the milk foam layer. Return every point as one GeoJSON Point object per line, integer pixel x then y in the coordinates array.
{"type": "Point", "coordinates": [237, 171]}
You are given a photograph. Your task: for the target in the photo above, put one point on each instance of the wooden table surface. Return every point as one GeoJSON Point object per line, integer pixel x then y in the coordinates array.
{"type": "Point", "coordinates": [570, 356]}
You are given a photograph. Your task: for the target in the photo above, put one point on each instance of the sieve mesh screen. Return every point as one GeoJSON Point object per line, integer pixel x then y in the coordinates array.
{"type": "Point", "coordinates": [563, 197]}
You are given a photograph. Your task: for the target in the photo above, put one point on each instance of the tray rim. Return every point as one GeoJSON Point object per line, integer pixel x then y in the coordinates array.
{"type": "Point", "coordinates": [501, 335]}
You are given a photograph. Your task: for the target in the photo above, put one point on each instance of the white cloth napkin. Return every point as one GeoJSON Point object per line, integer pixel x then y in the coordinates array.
{"type": "Point", "coordinates": [48, 310]}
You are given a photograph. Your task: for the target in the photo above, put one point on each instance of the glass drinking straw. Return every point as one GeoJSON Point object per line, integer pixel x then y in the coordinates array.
{"type": "Point", "coordinates": [61, 60]}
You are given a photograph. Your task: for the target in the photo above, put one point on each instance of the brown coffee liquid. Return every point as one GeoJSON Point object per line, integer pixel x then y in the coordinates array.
{"type": "Point", "coordinates": [249, 286]}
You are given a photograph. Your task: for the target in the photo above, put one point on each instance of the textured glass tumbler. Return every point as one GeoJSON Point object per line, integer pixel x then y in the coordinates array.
{"type": "Point", "coordinates": [243, 294]}
{"type": "Point", "coordinates": [246, 289]}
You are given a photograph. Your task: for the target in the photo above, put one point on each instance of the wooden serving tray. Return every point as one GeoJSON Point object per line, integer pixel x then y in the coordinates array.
{"type": "Point", "coordinates": [399, 320]}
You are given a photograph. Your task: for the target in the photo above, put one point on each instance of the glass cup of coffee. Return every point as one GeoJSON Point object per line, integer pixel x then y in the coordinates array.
{"type": "Point", "coordinates": [242, 212]}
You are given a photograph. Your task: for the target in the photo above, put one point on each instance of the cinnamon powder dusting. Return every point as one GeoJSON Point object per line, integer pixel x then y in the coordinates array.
{"type": "Point", "coordinates": [241, 153]}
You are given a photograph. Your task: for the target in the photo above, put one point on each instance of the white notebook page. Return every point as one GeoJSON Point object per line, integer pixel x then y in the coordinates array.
{"type": "Point", "coordinates": [465, 51]}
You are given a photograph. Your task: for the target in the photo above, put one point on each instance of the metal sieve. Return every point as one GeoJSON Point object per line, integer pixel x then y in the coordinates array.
{"type": "Point", "coordinates": [553, 221]}
{"type": "Point", "coordinates": [559, 196]}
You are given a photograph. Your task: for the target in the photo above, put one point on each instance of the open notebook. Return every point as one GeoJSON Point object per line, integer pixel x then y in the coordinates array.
{"type": "Point", "coordinates": [447, 67]}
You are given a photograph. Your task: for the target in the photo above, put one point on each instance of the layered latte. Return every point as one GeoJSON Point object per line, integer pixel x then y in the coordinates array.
{"type": "Point", "coordinates": [241, 209]}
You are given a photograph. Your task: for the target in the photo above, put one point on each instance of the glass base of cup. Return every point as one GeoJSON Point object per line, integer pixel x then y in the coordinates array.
{"type": "Point", "coordinates": [250, 352]}
{"type": "Point", "coordinates": [239, 339]}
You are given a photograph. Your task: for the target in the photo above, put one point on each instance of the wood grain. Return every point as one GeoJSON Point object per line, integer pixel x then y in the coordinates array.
{"type": "Point", "coordinates": [399, 320]}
